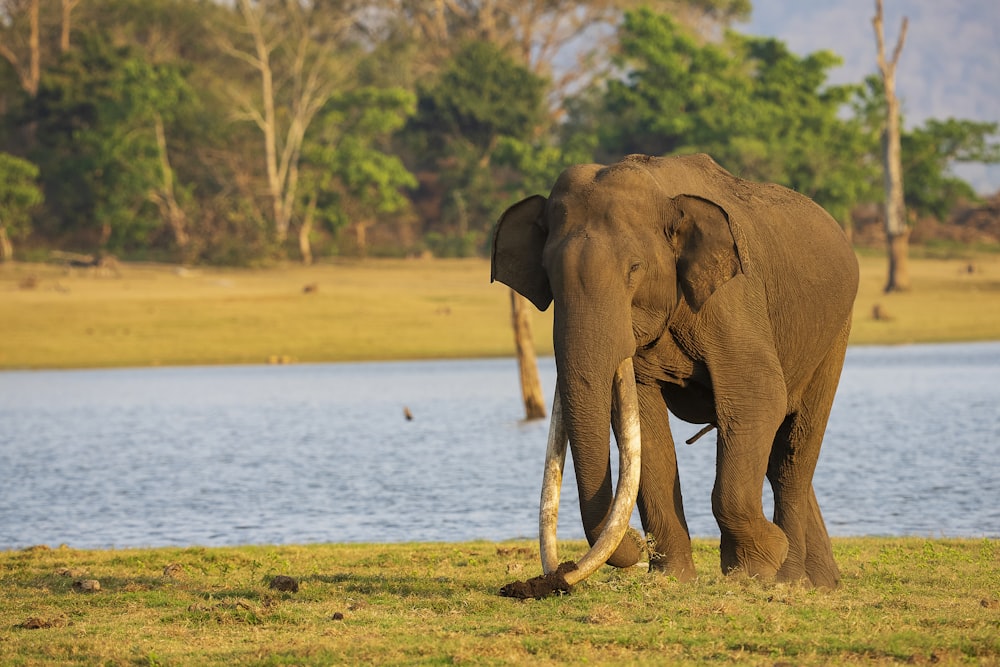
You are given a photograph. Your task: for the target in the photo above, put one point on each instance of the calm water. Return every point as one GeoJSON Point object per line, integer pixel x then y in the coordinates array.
{"type": "Point", "coordinates": [322, 453]}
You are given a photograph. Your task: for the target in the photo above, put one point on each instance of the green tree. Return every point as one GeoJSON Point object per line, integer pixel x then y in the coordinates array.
{"type": "Point", "coordinates": [300, 56]}
{"type": "Point", "coordinates": [19, 195]}
{"type": "Point", "coordinates": [761, 111]}
{"type": "Point", "coordinates": [481, 98]}
{"type": "Point", "coordinates": [928, 153]}
{"type": "Point", "coordinates": [348, 177]}
{"type": "Point", "coordinates": [99, 116]}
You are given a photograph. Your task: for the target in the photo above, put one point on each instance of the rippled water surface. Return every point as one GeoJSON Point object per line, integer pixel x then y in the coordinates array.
{"type": "Point", "coordinates": [322, 453]}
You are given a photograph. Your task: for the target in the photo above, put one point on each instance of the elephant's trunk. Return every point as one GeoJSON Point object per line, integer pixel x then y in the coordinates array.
{"type": "Point", "coordinates": [607, 544]}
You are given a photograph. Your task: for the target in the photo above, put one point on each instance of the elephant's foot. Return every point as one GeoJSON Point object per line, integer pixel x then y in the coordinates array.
{"type": "Point", "coordinates": [758, 552]}
{"type": "Point", "coordinates": [680, 568]}
{"type": "Point", "coordinates": [822, 569]}
{"type": "Point", "coordinates": [817, 572]}
{"type": "Point", "coordinates": [810, 555]}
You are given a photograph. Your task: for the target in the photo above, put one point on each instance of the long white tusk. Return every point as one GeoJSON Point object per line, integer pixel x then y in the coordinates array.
{"type": "Point", "coordinates": [629, 468]}
{"type": "Point", "coordinates": [548, 509]}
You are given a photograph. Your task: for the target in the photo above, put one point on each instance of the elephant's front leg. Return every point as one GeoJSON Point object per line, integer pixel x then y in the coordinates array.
{"type": "Point", "coordinates": [660, 505]}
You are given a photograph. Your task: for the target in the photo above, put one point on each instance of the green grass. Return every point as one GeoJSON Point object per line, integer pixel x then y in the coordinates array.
{"type": "Point", "coordinates": [910, 600]}
{"type": "Point", "coordinates": [375, 310]}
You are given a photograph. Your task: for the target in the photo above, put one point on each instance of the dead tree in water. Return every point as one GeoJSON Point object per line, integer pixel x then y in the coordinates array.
{"type": "Point", "coordinates": [531, 385]}
{"type": "Point", "coordinates": [897, 232]}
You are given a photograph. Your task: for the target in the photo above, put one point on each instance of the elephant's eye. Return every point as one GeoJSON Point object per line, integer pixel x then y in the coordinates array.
{"type": "Point", "coordinates": [633, 273]}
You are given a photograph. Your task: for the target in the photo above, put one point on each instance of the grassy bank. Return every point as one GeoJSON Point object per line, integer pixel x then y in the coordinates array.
{"type": "Point", "coordinates": [909, 601]}
{"type": "Point", "coordinates": [379, 309]}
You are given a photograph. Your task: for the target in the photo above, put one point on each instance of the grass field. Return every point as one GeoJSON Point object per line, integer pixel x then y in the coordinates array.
{"type": "Point", "coordinates": [379, 309]}
{"type": "Point", "coordinates": [902, 601]}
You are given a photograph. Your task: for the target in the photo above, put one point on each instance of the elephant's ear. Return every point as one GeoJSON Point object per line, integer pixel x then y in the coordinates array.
{"type": "Point", "coordinates": [707, 256]}
{"type": "Point", "coordinates": [517, 251]}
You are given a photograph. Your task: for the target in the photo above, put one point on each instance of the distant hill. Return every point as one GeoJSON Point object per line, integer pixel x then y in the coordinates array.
{"type": "Point", "coordinates": [950, 65]}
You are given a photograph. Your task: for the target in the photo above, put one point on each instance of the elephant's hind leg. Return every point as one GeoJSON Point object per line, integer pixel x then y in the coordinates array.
{"type": "Point", "coordinates": [821, 568]}
{"type": "Point", "coordinates": [790, 470]}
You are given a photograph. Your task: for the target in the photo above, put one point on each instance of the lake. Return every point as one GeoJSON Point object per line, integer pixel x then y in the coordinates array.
{"type": "Point", "coordinates": [322, 453]}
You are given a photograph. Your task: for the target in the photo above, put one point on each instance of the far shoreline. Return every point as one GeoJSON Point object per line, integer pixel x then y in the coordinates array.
{"type": "Point", "coordinates": [380, 310]}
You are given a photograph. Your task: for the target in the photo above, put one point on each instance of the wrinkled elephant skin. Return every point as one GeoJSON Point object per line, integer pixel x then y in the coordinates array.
{"type": "Point", "coordinates": [733, 300]}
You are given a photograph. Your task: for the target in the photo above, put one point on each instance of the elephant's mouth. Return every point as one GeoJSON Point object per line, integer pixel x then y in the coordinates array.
{"type": "Point", "coordinates": [626, 428]}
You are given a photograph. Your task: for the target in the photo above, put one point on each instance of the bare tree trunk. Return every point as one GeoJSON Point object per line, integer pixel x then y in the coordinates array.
{"type": "Point", "coordinates": [361, 237]}
{"type": "Point", "coordinates": [67, 9]}
{"type": "Point", "coordinates": [305, 229]}
{"type": "Point", "coordinates": [896, 230]}
{"type": "Point", "coordinates": [531, 385]}
{"type": "Point", "coordinates": [165, 198]}
{"type": "Point", "coordinates": [35, 64]}
{"type": "Point", "coordinates": [282, 119]}
{"type": "Point", "coordinates": [28, 73]}
{"type": "Point", "coordinates": [267, 119]}
{"type": "Point", "coordinates": [6, 247]}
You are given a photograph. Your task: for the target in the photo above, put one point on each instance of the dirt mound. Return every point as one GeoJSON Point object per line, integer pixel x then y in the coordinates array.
{"type": "Point", "coordinates": [541, 586]}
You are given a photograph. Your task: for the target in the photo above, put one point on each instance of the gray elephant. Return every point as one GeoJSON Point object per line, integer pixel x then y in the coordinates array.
{"type": "Point", "coordinates": [679, 287]}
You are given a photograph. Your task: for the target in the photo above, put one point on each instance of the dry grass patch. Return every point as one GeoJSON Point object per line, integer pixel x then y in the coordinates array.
{"type": "Point", "coordinates": [375, 310]}
{"type": "Point", "coordinates": [955, 299]}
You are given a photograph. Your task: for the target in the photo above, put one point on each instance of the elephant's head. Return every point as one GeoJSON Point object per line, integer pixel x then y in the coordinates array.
{"type": "Point", "coordinates": [618, 249]}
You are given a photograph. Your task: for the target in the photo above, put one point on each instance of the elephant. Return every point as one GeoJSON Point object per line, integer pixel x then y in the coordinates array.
{"type": "Point", "coordinates": [680, 288]}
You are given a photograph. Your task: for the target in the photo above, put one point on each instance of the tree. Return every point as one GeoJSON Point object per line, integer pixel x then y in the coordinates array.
{"type": "Point", "coordinates": [101, 144]}
{"type": "Point", "coordinates": [64, 33]}
{"type": "Point", "coordinates": [292, 52]}
{"type": "Point", "coordinates": [761, 111]}
{"type": "Point", "coordinates": [462, 117]}
{"type": "Point", "coordinates": [897, 230]}
{"type": "Point", "coordinates": [929, 151]}
{"type": "Point", "coordinates": [538, 34]}
{"type": "Point", "coordinates": [19, 194]}
{"type": "Point", "coordinates": [20, 44]}
{"type": "Point", "coordinates": [527, 364]}
{"type": "Point", "coordinates": [348, 179]}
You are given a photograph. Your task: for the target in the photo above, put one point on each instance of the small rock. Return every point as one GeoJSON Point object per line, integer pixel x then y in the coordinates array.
{"type": "Point", "coordinates": [285, 584]}
{"type": "Point", "coordinates": [338, 616]}
{"type": "Point", "coordinates": [87, 585]}
{"type": "Point", "coordinates": [173, 570]}
{"type": "Point", "coordinates": [70, 572]}
{"type": "Point", "coordinates": [879, 313]}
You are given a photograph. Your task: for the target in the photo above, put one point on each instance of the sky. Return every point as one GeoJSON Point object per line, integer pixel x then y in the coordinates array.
{"type": "Point", "coordinates": [949, 66]}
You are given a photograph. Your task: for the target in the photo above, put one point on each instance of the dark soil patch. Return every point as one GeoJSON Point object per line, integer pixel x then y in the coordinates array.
{"type": "Point", "coordinates": [284, 583]}
{"type": "Point", "coordinates": [541, 586]}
